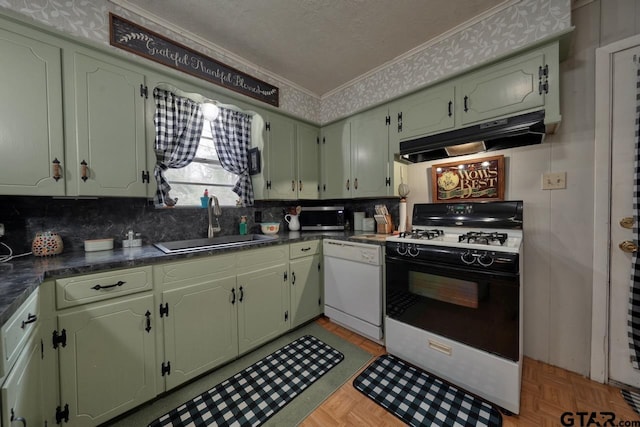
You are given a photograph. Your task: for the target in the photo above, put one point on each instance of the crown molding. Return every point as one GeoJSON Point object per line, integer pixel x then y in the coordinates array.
{"type": "Point", "coordinates": [488, 13]}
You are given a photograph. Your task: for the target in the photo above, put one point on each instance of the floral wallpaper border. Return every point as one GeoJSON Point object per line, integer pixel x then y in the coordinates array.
{"type": "Point", "coordinates": [516, 26]}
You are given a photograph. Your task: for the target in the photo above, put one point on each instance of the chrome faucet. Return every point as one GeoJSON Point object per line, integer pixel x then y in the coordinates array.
{"type": "Point", "coordinates": [213, 208]}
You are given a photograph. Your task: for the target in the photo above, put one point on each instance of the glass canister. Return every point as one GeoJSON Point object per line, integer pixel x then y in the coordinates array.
{"type": "Point", "coordinates": [47, 243]}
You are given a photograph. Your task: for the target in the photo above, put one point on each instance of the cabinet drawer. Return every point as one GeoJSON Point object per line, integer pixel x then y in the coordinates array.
{"type": "Point", "coordinates": [302, 249]}
{"type": "Point", "coordinates": [17, 330]}
{"type": "Point", "coordinates": [100, 286]}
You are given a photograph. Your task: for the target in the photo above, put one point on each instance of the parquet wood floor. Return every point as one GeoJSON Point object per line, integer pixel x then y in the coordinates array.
{"type": "Point", "coordinates": [547, 392]}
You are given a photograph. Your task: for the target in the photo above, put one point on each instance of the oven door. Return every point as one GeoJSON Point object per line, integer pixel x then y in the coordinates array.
{"type": "Point", "coordinates": [471, 306]}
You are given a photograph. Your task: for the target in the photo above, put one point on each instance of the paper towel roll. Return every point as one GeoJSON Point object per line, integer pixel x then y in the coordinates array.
{"type": "Point", "coordinates": [403, 216]}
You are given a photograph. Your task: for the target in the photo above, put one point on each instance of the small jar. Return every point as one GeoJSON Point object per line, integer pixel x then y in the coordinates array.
{"type": "Point", "coordinates": [47, 243]}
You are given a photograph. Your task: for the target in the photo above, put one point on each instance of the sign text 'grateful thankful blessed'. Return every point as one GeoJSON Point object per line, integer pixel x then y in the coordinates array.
{"type": "Point", "coordinates": [136, 39]}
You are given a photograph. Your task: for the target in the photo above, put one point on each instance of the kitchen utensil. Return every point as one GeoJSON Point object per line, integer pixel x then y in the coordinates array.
{"type": "Point", "coordinates": [270, 227]}
{"type": "Point", "coordinates": [292, 220]}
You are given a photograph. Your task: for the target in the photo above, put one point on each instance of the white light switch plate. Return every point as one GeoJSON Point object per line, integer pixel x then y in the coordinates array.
{"type": "Point", "coordinates": [554, 181]}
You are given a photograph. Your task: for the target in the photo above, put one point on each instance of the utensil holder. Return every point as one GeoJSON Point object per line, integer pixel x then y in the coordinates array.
{"type": "Point", "coordinates": [383, 228]}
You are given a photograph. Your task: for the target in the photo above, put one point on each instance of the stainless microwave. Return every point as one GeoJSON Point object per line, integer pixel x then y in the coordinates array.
{"type": "Point", "coordinates": [322, 218]}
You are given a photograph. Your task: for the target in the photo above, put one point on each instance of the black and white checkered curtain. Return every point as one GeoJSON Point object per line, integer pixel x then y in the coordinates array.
{"type": "Point", "coordinates": [634, 295]}
{"type": "Point", "coordinates": [178, 123]}
{"type": "Point", "coordinates": [232, 138]}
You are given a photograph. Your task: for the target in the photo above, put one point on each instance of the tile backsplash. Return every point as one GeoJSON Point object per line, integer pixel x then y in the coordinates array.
{"type": "Point", "coordinates": [77, 220]}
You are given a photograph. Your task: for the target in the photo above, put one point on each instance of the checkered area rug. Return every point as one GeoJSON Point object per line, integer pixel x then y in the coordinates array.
{"type": "Point", "coordinates": [253, 395]}
{"type": "Point", "coordinates": [419, 399]}
{"type": "Point", "coordinates": [632, 398]}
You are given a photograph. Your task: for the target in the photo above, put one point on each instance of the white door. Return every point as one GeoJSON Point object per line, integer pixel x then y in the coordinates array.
{"type": "Point", "coordinates": [623, 117]}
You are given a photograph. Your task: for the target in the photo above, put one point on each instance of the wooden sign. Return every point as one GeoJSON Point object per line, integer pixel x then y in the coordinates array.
{"type": "Point", "coordinates": [131, 37]}
{"type": "Point", "coordinates": [471, 180]}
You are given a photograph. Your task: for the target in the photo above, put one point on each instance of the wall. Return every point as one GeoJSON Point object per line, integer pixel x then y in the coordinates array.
{"type": "Point", "coordinates": [558, 245]}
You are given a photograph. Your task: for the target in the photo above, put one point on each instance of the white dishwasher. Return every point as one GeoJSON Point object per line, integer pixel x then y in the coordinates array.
{"type": "Point", "coordinates": [353, 286]}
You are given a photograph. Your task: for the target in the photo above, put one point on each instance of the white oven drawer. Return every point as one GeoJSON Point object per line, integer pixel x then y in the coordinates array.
{"type": "Point", "coordinates": [490, 377]}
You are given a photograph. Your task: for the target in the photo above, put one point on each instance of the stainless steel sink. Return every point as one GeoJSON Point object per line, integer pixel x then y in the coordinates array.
{"type": "Point", "coordinates": [195, 245]}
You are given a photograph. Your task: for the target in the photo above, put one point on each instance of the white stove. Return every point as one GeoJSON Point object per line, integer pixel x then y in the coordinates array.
{"type": "Point", "coordinates": [454, 296]}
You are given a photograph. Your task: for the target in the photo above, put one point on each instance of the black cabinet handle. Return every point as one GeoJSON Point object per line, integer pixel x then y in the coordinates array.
{"type": "Point", "coordinates": [305, 249]}
{"type": "Point", "coordinates": [293, 277]}
{"type": "Point", "coordinates": [99, 287]}
{"type": "Point", "coordinates": [241, 294]}
{"type": "Point", "coordinates": [450, 108]}
{"type": "Point", "coordinates": [14, 418]}
{"type": "Point", "coordinates": [30, 319]}
{"type": "Point", "coordinates": [233, 295]}
{"type": "Point", "coordinates": [466, 103]}
{"type": "Point", "coordinates": [148, 316]}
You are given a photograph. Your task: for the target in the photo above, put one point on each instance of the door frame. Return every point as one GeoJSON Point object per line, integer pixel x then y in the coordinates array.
{"type": "Point", "coordinates": [602, 200]}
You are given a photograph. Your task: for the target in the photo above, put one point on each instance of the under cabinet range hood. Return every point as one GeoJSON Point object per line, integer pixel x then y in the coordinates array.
{"type": "Point", "coordinates": [517, 131]}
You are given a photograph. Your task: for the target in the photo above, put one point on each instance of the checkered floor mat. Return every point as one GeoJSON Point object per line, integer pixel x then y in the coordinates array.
{"type": "Point", "coordinates": [253, 395]}
{"type": "Point", "coordinates": [419, 399]}
{"type": "Point", "coordinates": [632, 398]}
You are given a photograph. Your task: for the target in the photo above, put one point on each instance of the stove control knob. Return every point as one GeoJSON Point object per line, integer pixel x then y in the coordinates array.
{"type": "Point", "coordinates": [468, 257]}
{"type": "Point", "coordinates": [412, 250]}
{"type": "Point", "coordinates": [401, 249]}
{"type": "Point", "coordinates": [485, 259]}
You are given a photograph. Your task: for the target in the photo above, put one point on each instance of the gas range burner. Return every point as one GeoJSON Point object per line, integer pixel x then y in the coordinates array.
{"type": "Point", "coordinates": [483, 238]}
{"type": "Point", "coordinates": [422, 234]}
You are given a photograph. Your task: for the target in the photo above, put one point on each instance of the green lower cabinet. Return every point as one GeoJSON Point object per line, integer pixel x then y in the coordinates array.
{"type": "Point", "coordinates": [108, 364]}
{"type": "Point", "coordinates": [306, 303]}
{"type": "Point", "coordinates": [200, 330]}
{"type": "Point", "coordinates": [263, 306]}
{"type": "Point", "coordinates": [24, 391]}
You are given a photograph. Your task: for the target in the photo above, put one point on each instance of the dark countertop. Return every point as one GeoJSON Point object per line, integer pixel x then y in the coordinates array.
{"type": "Point", "coordinates": [21, 276]}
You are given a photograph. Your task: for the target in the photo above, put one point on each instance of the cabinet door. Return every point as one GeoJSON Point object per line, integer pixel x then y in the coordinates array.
{"type": "Point", "coordinates": [508, 87]}
{"type": "Point", "coordinates": [308, 161]}
{"type": "Point", "coordinates": [369, 153]}
{"type": "Point", "coordinates": [31, 122]}
{"type": "Point", "coordinates": [108, 365]}
{"type": "Point", "coordinates": [109, 125]}
{"type": "Point", "coordinates": [281, 146]}
{"type": "Point", "coordinates": [200, 331]}
{"type": "Point", "coordinates": [23, 392]}
{"type": "Point", "coordinates": [305, 289]}
{"type": "Point", "coordinates": [422, 113]}
{"type": "Point", "coordinates": [263, 306]}
{"type": "Point", "coordinates": [336, 160]}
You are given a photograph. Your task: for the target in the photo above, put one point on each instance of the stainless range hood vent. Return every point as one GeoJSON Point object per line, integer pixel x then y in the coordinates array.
{"type": "Point", "coordinates": [517, 131]}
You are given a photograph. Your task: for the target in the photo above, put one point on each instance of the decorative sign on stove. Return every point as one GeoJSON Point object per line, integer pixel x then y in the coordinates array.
{"type": "Point", "coordinates": [136, 39]}
{"type": "Point", "coordinates": [471, 180]}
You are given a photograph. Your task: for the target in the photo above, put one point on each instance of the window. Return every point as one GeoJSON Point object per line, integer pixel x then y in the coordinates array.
{"type": "Point", "coordinates": [204, 172]}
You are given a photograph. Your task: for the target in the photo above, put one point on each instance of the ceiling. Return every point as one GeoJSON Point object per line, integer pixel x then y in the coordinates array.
{"type": "Point", "coordinates": [318, 45]}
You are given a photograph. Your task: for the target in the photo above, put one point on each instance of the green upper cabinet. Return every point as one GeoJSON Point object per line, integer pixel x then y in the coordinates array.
{"type": "Point", "coordinates": [106, 128]}
{"type": "Point", "coordinates": [422, 113]}
{"type": "Point", "coordinates": [290, 168]}
{"type": "Point", "coordinates": [31, 122]}
{"type": "Point", "coordinates": [355, 159]}
{"type": "Point", "coordinates": [336, 160]}
{"type": "Point", "coordinates": [523, 83]}
{"type": "Point", "coordinates": [308, 161]}
{"type": "Point", "coordinates": [511, 86]}
{"type": "Point", "coordinates": [370, 175]}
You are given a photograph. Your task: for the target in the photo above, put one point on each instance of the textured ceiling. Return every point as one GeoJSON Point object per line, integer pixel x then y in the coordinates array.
{"type": "Point", "coordinates": [318, 45]}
